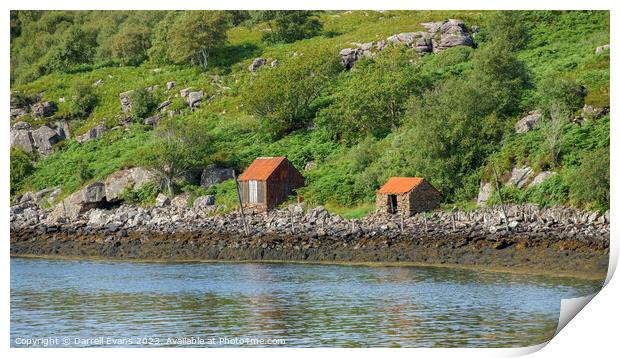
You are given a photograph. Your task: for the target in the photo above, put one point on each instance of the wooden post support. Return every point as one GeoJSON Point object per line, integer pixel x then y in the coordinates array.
{"type": "Point", "coordinates": [501, 202]}
{"type": "Point", "coordinates": [245, 224]}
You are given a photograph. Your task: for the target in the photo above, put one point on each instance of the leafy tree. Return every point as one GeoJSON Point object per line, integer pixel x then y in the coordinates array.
{"type": "Point", "coordinates": [142, 103]}
{"type": "Point", "coordinates": [282, 96]}
{"type": "Point", "coordinates": [453, 128]}
{"type": "Point", "coordinates": [289, 25]}
{"type": "Point", "coordinates": [589, 186]}
{"type": "Point", "coordinates": [507, 27]}
{"type": "Point", "coordinates": [552, 130]}
{"type": "Point", "coordinates": [561, 92]}
{"type": "Point", "coordinates": [195, 35]}
{"type": "Point", "coordinates": [372, 97]}
{"type": "Point", "coordinates": [83, 99]}
{"type": "Point", "coordinates": [130, 44]}
{"type": "Point", "coordinates": [78, 47]}
{"type": "Point", "coordinates": [21, 166]}
{"type": "Point", "coordinates": [177, 147]}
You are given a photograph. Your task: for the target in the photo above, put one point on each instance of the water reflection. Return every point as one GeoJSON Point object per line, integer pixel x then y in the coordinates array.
{"type": "Point", "coordinates": [308, 305]}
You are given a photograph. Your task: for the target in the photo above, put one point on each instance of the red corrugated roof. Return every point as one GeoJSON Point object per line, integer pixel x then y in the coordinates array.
{"type": "Point", "coordinates": [400, 185]}
{"type": "Point", "coordinates": [261, 168]}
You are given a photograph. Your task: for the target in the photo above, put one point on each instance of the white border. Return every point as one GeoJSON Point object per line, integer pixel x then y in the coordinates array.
{"type": "Point", "coordinates": [593, 332]}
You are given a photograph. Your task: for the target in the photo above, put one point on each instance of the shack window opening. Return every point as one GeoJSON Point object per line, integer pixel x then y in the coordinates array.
{"type": "Point", "coordinates": [392, 204]}
{"type": "Point", "coordinates": [253, 188]}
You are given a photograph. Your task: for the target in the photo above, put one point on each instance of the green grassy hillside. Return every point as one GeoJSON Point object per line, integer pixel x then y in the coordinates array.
{"type": "Point", "coordinates": [447, 116]}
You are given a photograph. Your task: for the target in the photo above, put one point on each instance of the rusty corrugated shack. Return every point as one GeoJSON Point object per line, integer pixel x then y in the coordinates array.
{"type": "Point", "coordinates": [268, 181]}
{"type": "Point", "coordinates": [407, 196]}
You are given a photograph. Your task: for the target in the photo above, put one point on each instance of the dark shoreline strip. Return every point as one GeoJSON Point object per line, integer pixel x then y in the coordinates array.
{"type": "Point", "coordinates": [517, 253]}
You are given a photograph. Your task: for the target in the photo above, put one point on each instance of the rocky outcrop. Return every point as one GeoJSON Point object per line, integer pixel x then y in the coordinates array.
{"type": "Point", "coordinates": [170, 85]}
{"type": "Point", "coordinates": [92, 133]}
{"type": "Point", "coordinates": [21, 137]}
{"type": "Point", "coordinates": [43, 109]}
{"type": "Point", "coordinates": [153, 120]}
{"type": "Point", "coordinates": [125, 99]}
{"type": "Point", "coordinates": [204, 202]}
{"type": "Point", "coordinates": [116, 183]}
{"type": "Point", "coordinates": [162, 200]}
{"type": "Point", "coordinates": [528, 122]}
{"type": "Point", "coordinates": [438, 36]}
{"type": "Point", "coordinates": [40, 139]}
{"type": "Point", "coordinates": [180, 200]}
{"type": "Point", "coordinates": [541, 177]}
{"type": "Point", "coordinates": [519, 177]}
{"type": "Point", "coordinates": [44, 137]}
{"type": "Point", "coordinates": [484, 193]}
{"type": "Point", "coordinates": [214, 174]}
{"type": "Point", "coordinates": [194, 98]}
{"type": "Point", "coordinates": [185, 92]}
{"type": "Point", "coordinates": [89, 197]}
{"type": "Point", "coordinates": [256, 64]}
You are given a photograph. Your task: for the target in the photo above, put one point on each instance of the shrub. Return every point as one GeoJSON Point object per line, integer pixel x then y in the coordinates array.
{"type": "Point", "coordinates": [21, 167]}
{"type": "Point", "coordinates": [195, 34]}
{"type": "Point", "coordinates": [281, 97]}
{"type": "Point", "coordinates": [130, 44]}
{"type": "Point", "coordinates": [372, 97]}
{"type": "Point", "coordinates": [146, 194]}
{"type": "Point", "coordinates": [177, 146]}
{"type": "Point", "coordinates": [589, 184]}
{"type": "Point", "coordinates": [142, 103]}
{"type": "Point", "coordinates": [83, 99]}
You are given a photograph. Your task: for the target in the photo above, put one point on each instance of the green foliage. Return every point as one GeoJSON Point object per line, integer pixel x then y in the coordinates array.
{"type": "Point", "coordinates": [129, 45]}
{"type": "Point", "coordinates": [177, 146]}
{"type": "Point", "coordinates": [195, 34]}
{"type": "Point", "coordinates": [78, 48]}
{"type": "Point", "coordinates": [83, 99]}
{"type": "Point", "coordinates": [283, 96]}
{"type": "Point", "coordinates": [21, 167]}
{"type": "Point", "coordinates": [372, 97]}
{"type": "Point", "coordinates": [101, 157]}
{"type": "Point", "coordinates": [144, 195]}
{"type": "Point", "coordinates": [288, 25]}
{"type": "Point", "coordinates": [225, 194]}
{"type": "Point", "coordinates": [590, 184]}
{"type": "Point", "coordinates": [344, 121]}
{"type": "Point", "coordinates": [143, 103]}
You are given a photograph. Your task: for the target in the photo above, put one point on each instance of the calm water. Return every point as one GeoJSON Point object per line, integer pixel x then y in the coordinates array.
{"type": "Point", "coordinates": [92, 303]}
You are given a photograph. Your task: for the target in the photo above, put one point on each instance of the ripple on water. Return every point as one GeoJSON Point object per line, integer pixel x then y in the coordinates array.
{"type": "Point", "coordinates": [308, 305]}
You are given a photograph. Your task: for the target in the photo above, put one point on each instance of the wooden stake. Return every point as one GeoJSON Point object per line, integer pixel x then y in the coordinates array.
{"type": "Point", "coordinates": [501, 202]}
{"type": "Point", "coordinates": [245, 224]}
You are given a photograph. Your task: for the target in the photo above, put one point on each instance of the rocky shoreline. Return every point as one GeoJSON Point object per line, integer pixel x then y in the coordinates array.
{"type": "Point", "coordinates": [558, 241]}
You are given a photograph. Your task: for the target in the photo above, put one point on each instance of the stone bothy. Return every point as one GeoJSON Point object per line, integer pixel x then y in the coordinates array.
{"type": "Point", "coordinates": [268, 181]}
{"type": "Point", "coordinates": [407, 196]}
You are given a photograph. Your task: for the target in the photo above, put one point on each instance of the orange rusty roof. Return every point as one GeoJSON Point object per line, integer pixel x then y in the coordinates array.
{"type": "Point", "coordinates": [261, 168]}
{"type": "Point", "coordinates": [400, 185]}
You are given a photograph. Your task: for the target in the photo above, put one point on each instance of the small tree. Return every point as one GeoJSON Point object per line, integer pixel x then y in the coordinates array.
{"type": "Point", "coordinates": [552, 129]}
{"type": "Point", "coordinates": [78, 47]}
{"type": "Point", "coordinates": [129, 45]}
{"type": "Point", "coordinates": [282, 96]}
{"type": "Point", "coordinates": [21, 166]}
{"type": "Point", "coordinates": [83, 99]}
{"type": "Point", "coordinates": [195, 34]}
{"type": "Point", "coordinates": [142, 103]}
{"type": "Point", "coordinates": [288, 25]}
{"type": "Point", "coordinates": [372, 97]}
{"type": "Point", "coordinates": [177, 147]}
